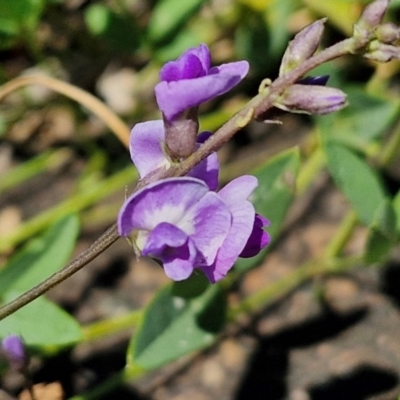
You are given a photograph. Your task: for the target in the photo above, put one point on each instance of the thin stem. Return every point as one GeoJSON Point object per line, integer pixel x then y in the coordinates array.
{"type": "Point", "coordinates": [342, 235]}
{"type": "Point", "coordinates": [101, 244]}
{"type": "Point", "coordinates": [299, 275]}
{"type": "Point", "coordinates": [255, 108]}
{"type": "Point", "coordinates": [116, 125]}
{"type": "Point", "coordinates": [105, 327]}
{"type": "Point", "coordinates": [50, 160]}
{"type": "Point", "coordinates": [70, 205]}
{"type": "Point", "coordinates": [392, 148]}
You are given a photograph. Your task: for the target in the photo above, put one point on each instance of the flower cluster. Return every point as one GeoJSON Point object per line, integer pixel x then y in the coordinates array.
{"type": "Point", "coordinates": [184, 222]}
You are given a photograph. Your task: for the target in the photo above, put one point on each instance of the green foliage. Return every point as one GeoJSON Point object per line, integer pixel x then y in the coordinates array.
{"type": "Point", "coordinates": [273, 196]}
{"type": "Point", "coordinates": [39, 259]}
{"type": "Point", "coordinates": [120, 31]}
{"type": "Point", "coordinates": [365, 120]}
{"type": "Point", "coordinates": [183, 317]}
{"type": "Point", "coordinates": [18, 17]}
{"type": "Point", "coordinates": [169, 17]}
{"type": "Point", "coordinates": [382, 233]}
{"type": "Point", "coordinates": [359, 182]}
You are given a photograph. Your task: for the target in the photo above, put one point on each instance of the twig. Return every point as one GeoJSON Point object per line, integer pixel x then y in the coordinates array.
{"type": "Point", "coordinates": [256, 107]}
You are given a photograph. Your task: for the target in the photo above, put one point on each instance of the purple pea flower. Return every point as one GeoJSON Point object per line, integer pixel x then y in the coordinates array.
{"type": "Point", "coordinates": [14, 350]}
{"type": "Point", "coordinates": [190, 81]}
{"type": "Point", "coordinates": [147, 148]}
{"type": "Point", "coordinates": [180, 222]}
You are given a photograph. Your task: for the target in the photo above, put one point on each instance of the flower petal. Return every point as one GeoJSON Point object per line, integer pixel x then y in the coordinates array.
{"type": "Point", "coordinates": [234, 242]}
{"type": "Point", "coordinates": [207, 171]}
{"type": "Point", "coordinates": [234, 194]}
{"type": "Point", "coordinates": [258, 238]}
{"type": "Point", "coordinates": [211, 221]}
{"type": "Point", "coordinates": [177, 96]}
{"type": "Point", "coordinates": [167, 200]}
{"type": "Point", "coordinates": [193, 63]}
{"type": "Point", "coordinates": [146, 146]}
{"type": "Point", "coordinates": [238, 190]}
{"type": "Point", "coordinates": [238, 68]}
{"type": "Point", "coordinates": [173, 248]}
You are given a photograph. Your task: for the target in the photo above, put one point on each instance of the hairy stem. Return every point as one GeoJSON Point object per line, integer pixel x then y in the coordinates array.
{"type": "Point", "coordinates": [254, 109]}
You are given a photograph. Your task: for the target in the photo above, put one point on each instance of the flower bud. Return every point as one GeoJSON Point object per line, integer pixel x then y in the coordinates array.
{"type": "Point", "coordinates": [181, 134]}
{"type": "Point", "coordinates": [388, 33]}
{"type": "Point", "coordinates": [381, 52]}
{"type": "Point", "coordinates": [14, 350]}
{"type": "Point", "coordinates": [312, 99]}
{"type": "Point", "coordinates": [303, 46]}
{"type": "Point", "coordinates": [373, 14]}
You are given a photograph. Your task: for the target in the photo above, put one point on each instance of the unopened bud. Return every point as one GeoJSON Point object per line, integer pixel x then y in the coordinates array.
{"type": "Point", "coordinates": [14, 350]}
{"type": "Point", "coordinates": [388, 33]}
{"type": "Point", "coordinates": [312, 99]}
{"type": "Point", "coordinates": [303, 46]}
{"type": "Point", "coordinates": [373, 14]}
{"type": "Point", "coordinates": [181, 134]}
{"type": "Point", "coordinates": [381, 52]}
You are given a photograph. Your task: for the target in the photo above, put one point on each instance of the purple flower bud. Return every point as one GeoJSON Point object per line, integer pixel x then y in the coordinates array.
{"type": "Point", "coordinates": [312, 99]}
{"type": "Point", "coordinates": [303, 46]}
{"type": "Point", "coordinates": [14, 349]}
{"type": "Point", "coordinates": [181, 134]}
{"type": "Point", "coordinates": [373, 14]}
{"type": "Point", "coordinates": [190, 81]}
{"type": "Point", "coordinates": [381, 52]}
{"type": "Point", "coordinates": [388, 33]}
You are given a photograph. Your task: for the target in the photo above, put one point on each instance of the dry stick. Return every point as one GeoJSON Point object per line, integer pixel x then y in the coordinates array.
{"type": "Point", "coordinates": [256, 107]}
{"type": "Point", "coordinates": [116, 125]}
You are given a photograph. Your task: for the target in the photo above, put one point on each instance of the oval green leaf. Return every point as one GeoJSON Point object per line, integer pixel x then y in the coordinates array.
{"type": "Point", "coordinates": [183, 317]}
{"type": "Point", "coordinates": [356, 179]}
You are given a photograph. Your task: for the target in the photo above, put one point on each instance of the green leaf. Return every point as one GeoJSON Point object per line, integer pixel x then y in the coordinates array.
{"type": "Point", "coordinates": [119, 30]}
{"type": "Point", "coordinates": [356, 179]}
{"type": "Point", "coordinates": [396, 208]}
{"type": "Point", "coordinates": [183, 317]}
{"type": "Point", "coordinates": [40, 258]}
{"type": "Point", "coordinates": [366, 120]}
{"type": "Point", "coordinates": [42, 324]}
{"type": "Point", "coordinates": [169, 16]}
{"type": "Point", "coordinates": [19, 13]}
{"type": "Point", "coordinates": [381, 234]}
{"type": "Point", "coordinates": [273, 196]}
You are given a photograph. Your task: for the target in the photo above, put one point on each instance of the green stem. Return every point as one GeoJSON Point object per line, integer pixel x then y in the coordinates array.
{"type": "Point", "coordinates": [71, 205]}
{"type": "Point", "coordinates": [315, 163]}
{"type": "Point", "coordinates": [112, 325]}
{"type": "Point", "coordinates": [44, 162]}
{"type": "Point", "coordinates": [289, 282]}
{"type": "Point", "coordinates": [392, 148]}
{"type": "Point", "coordinates": [342, 235]}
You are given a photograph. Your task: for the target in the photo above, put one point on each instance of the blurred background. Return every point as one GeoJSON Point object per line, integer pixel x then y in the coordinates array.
{"type": "Point", "coordinates": [320, 336]}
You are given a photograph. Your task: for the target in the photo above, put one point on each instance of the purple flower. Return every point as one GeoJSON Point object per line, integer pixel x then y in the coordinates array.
{"type": "Point", "coordinates": [14, 350]}
{"type": "Point", "coordinates": [180, 222]}
{"type": "Point", "coordinates": [311, 99]}
{"type": "Point", "coordinates": [190, 81]}
{"type": "Point", "coordinates": [148, 153]}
